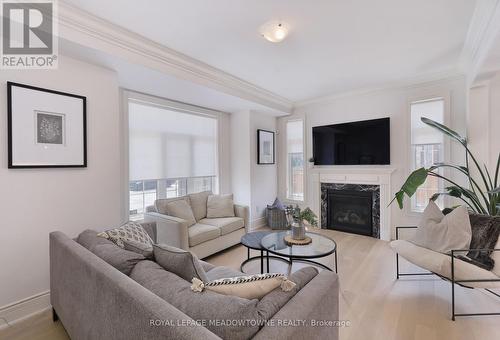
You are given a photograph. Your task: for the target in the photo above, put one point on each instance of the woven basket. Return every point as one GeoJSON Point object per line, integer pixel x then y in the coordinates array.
{"type": "Point", "coordinates": [276, 219]}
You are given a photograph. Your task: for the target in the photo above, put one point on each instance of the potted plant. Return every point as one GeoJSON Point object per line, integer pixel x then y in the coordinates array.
{"type": "Point", "coordinates": [296, 218]}
{"type": "Point", "coordinates": [482, 195]}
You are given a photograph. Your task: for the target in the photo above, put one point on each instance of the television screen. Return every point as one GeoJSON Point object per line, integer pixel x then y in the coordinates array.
{"type": "Point", "coordinates": [364, 142]}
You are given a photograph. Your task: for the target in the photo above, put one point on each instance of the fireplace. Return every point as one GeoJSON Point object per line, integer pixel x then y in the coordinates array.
{"type": "Point", "coordinates": [350, 210]}
{"type": "Point", "coordinates": [353, 208]}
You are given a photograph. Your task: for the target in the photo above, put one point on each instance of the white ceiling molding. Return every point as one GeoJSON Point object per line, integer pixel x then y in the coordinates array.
{"type": "Point", "coordinates": [483, 29]}
{"type": "Point", "coordinates": [88, 30]}
{"type": "Point", "coordinates": [420, 81]}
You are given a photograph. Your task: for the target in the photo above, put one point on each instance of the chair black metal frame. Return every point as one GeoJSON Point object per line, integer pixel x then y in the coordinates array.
{"type": "Point", "coordinates": [461, 283]}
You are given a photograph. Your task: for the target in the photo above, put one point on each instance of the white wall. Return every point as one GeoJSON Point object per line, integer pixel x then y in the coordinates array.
{"type": "Point", "coordinates": [36, 202]}
{"type": "Point", "coordinates": [240, 157]}
{"type": "Point", "coordinates": [484, 121]}
{"type": "Point", "coordinates": [252, 184]}
{"type": "Point", "coordinates": [393, 103]}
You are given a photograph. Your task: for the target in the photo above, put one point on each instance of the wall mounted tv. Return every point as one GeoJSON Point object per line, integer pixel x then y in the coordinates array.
{"type": "Point", "coordinates": [363, 142]}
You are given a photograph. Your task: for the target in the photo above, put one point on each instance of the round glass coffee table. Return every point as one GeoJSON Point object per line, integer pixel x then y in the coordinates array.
{"type": "Point", "coordinates": [253, 241]}
{"type": "Point", "coordinates": [320, 246]}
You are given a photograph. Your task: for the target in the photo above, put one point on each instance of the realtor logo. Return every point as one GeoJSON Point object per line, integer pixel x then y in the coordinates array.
{"type": "Point", "coordinates": [29, 35]}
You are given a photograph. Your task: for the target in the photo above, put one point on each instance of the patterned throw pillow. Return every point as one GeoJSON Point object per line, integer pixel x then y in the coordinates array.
{"type": "Point", "coordinates": [247, 287]}
{"type": "Point", "coordinates": [130, 231]}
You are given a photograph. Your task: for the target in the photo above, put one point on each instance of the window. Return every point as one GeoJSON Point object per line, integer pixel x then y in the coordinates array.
{"type": "Point", "coordinates": [171, 153]}
{"type": "Point", "coordinates": [295, 160]}
{"type": "Point", "coordinates": [427, 148]}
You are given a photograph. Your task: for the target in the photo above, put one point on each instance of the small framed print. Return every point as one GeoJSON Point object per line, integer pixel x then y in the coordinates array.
{"type": "Point", "coordinates": [265, 147]}
{"type": "Point", "coordinates": [46, 128]}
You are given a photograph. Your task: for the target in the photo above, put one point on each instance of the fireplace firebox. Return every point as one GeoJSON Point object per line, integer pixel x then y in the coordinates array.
{"type": "Point", "coordinates": [350, 211]}
{"type": "Point", "coordinates": [353, 208]}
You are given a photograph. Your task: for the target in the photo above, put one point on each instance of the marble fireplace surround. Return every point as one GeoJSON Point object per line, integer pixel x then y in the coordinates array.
{"type": "Point", "coordinates": [380, 176]}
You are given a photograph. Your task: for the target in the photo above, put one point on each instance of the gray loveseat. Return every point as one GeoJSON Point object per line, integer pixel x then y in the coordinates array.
{"type": "Point", "coordinates": [95, 300]}
{"type": "Point", "coordinates": [208, 235]}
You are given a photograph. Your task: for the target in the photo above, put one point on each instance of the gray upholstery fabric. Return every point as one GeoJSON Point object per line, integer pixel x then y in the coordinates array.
{"type": "Point", "coordinates": [318, 301]}
{"type": "Point", "coordinates": [212, 306]}
{"type": "Point", "coordinates": [200, 233]}
{"type": "Point", "coordinates": [161, 204]}
{"type": "Point", "coordinates": [94, 301]}
{"type": "Point", "coordinates": [206, 266]}
{"type": "Point", "coordinates": [199, 204]}
{"type": "Point", "coordinates": [139, 248]}
{"type": "Point", "coordinates": [181, 209]}
{"type": "Point", "coordinates": [121, 259]}
{"type": "Point", "coordinates": [150, 228]}
{"type": "Point", "coordinates": [220, 206]}
{"type": "Point", "coordinates": [89, 239]}
{"type": "Point", "coordinates": [222, 273]}
{"type": "Point", "coordinates": [226, 224]}
{"type": "Point", "coordinates": [180, 262]}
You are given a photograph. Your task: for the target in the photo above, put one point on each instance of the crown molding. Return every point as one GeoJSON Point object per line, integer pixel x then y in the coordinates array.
{"type": "Point", "coordinates": [483, 29]}
{"type": "Point", "coordinates": [433, 79]}
{"type": "Point", "coordinates": [81, 27]}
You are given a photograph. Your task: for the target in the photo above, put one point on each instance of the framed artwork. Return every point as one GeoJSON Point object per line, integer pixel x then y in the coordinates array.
{"type": "Point", "coordinates": [46, 128]}
{"type": "Point", "coordinates": [265, 147]}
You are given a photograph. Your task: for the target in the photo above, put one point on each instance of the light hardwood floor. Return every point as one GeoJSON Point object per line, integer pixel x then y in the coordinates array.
{"type": "Point", "coordinates": [372, 300]}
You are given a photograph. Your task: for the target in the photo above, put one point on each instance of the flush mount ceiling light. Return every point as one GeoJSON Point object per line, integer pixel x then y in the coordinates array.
{"type": "Point", "coordinates": [274, 31]}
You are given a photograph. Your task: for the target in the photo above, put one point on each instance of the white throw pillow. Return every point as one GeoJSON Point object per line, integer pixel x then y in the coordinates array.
{"type": "Point", "coordinates": [220, 206]}
{"type": "Point", "coordinates": [199, 204]}
{"type": "Point", "coordinates": [247, 287]}
{"type": "Point", "coordinates": [181, 209]}
{"type": "Point", "coordinates": [443, 233]}
{"type": "Point", "coordinates": [130, 231]}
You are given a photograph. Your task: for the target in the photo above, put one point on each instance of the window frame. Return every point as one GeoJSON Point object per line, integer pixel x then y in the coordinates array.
{"type": "Point", "coordinates": [288, 199]}
{"type": "Point", "coordinates": [128, 96]}
{"type": "Point", "coordinates": [424, 97]}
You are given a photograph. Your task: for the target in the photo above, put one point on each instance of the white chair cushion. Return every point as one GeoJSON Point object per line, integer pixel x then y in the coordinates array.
{"type": "Point", "coordinates": [226, 224]}
{"type": "Point", "coordinates": [199, 233]}
{"type": "Point", "coordinates": [441, 264]}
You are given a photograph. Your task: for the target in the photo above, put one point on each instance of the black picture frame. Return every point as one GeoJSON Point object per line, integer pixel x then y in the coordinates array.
{"type": "Point", "coordinates": [10, 132]}
{"type": "Point", "coordinates": [263, 159]}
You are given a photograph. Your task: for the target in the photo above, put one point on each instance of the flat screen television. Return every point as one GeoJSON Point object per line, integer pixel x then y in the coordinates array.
{"type": "Point", "coordinates": [363, 142]}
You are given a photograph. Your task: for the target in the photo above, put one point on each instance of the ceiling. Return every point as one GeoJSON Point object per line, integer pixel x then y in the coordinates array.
{"type": "Point", "coordinates": [334, 45]}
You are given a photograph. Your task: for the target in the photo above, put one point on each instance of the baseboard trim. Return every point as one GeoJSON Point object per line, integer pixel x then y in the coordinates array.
{"type": "Point", "coordinates": [258, 223]}
{"type": "Point", "coordinates": [23, 309]}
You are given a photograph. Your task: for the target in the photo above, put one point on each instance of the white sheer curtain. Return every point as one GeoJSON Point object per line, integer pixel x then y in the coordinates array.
{"type": "Point", "coordinates": [164, 143]}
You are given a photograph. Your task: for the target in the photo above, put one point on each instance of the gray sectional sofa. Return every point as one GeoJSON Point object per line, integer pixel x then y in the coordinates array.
{"type": "Point", "coordinates": [103, 292]}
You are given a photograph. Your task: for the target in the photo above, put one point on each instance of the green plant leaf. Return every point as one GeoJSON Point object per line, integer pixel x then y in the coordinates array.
{"type": "Point", "coordinates": [495, 191]}
{"type": "Point", "coordinates": [446, 130]}
{"type": "Point", "coordinates": [400, 196]}
{"type": "Point", "coordinates": [462, 169]}
{"type": "Point", "coordinates": [416, 179]}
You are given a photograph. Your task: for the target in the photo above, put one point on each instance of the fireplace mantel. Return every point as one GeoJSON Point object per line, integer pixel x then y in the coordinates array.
{"type": "Point", "coordinates": [357, 175]}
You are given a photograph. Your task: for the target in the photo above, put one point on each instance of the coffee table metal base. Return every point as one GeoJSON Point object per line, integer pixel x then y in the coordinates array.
{"type": "Point", "coordinates": [261, 258]}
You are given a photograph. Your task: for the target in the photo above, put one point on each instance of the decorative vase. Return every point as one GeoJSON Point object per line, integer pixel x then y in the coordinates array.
{"type": "Point", "coordinates": [298, 231]}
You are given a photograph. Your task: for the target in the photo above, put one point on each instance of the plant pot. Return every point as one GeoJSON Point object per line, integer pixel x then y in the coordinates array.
{"type": "Point", "coordinates": [298, 231]}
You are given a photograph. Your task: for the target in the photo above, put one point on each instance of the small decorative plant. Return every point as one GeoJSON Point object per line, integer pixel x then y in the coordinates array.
{"type": "Point", "coordinates": [299, 215]}
{"type": "Point", "coordinates": [482, 194]}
